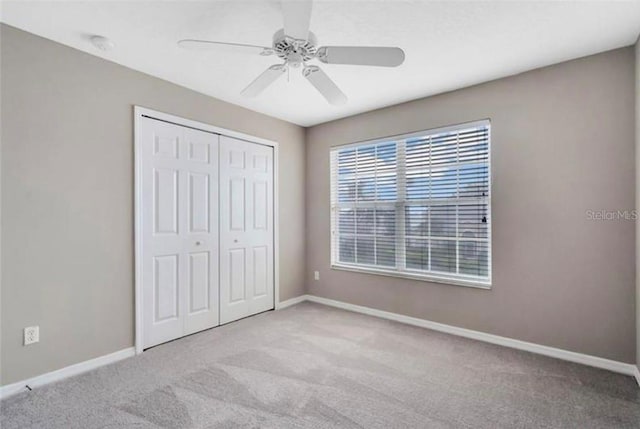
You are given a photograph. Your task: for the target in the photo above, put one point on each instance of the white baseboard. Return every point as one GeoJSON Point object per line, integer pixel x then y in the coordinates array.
{"type": "Point", "coordinates": [598, 362]}
{"type": "Point", "coordinates": [293, 301]}
{"type": "Point", "coordinates": [57, 375]}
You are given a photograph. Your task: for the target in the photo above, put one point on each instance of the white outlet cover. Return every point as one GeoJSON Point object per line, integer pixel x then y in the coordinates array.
{"type": "Point", "coordinates": [316, 275]}
{"type": "Point", "coordinates": [31, 335]}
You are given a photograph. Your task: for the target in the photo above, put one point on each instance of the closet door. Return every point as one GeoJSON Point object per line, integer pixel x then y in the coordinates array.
{"type": "Point", "coordinates": [179, 184]}
{"type": "Point", "coordinates": [246, 229]}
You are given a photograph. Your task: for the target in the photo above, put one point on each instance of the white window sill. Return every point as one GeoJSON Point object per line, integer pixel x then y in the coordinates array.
{"type": "Point", "coordinates": [459, 281]}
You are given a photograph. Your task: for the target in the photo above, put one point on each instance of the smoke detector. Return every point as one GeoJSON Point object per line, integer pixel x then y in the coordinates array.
{"type": "Point", "coordinates": [102, 43]}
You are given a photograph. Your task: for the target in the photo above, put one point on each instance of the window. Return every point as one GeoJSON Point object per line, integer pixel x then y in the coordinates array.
{"type": "Point", "coordinates": [415, 206]}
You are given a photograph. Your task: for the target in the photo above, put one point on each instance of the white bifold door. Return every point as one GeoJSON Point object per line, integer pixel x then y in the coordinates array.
{"type": "Point", "coordinates": [198, 272]}
{"type": "Point", "coordinates": [180, 230]}
{"type": "Point", "coordinates": [246, 228]}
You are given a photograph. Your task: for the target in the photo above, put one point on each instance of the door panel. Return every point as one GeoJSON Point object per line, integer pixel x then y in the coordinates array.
{"type": "Point", "coordinates": [260, 163]}
{"type": "Point", "coordinates": [236, 158]}
{"type": "Point", "coordinates": [166, 145]}
{"type": "Point", "coordinates": [237, 271]}
{"type": "Point", "coordinates": [199, 203]}
{"type": "Point", "coordinates": [165, 279]}
{"type": "Point", "coordinates": [237, 204]}
{"type": "Point", "coordinates": [246, 229]}
{"type": "Point", "coordinates": [199, 282]}
{"type": "Point", "coordinates": [179, 180]}
{"type": "Point", "coordinates": [201, 238]}
{"type": "Point", "coordinates": [260, 256]}
{"type": "Point", "coordinates": [199, 151]}
{"type": "Point", "coordinates": [260, 197]}
{"type": "Point", "coordinates": [166, 200]}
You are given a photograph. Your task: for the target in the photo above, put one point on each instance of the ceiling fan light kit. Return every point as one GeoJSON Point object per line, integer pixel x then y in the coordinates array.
{"type": "Point", "coordinates": [295, 45]}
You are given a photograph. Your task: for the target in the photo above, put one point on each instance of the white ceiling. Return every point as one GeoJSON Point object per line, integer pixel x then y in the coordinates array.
{"type": "Point", "coordinates": [448, 45]}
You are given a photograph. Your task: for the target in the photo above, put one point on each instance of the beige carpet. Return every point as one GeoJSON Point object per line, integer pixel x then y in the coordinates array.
{"type": "Point", "coordinates": [311, 366]}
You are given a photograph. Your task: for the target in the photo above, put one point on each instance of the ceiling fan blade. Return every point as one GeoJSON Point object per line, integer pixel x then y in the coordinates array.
{"type": "Point", "coordinates": [297, 18]}
{"type": "Point", "coordinates": [324, 85]}
{"type": "Point", "coordinates": [205, 45]}
{"type": "Point", "coordinates": [267, 77]}
{"type": "Point", "coordinates": [361, 55]}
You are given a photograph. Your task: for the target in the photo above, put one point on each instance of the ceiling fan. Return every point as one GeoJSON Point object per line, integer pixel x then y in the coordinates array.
{"type": "Point", "coordinates": [296, 46]}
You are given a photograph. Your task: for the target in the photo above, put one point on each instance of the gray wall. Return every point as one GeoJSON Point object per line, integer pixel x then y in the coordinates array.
{"type": "Point", "coordinates": [562, 144]}
{"type": "Point", "coordinates": [638, 203]}
{"type": "Point", "coordinates": [67, 197]}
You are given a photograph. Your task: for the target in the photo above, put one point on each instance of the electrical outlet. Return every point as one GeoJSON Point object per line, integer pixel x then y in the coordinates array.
{"type": "Point", "coordinates": [31, 335]}
{"type": "Point", "coordinates": [316, 275]}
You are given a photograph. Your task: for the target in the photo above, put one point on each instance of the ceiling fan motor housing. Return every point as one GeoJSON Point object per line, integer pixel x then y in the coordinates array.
{"type": "Point", "coordinates": [294, 52]}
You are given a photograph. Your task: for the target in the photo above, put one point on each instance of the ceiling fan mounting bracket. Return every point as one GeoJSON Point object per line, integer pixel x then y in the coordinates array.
{"type": "Point", "coordinates": [294, 52]}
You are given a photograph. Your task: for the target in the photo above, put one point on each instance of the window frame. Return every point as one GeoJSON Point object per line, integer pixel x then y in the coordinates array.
{"type": "Point", "coordinates": [400, 205]}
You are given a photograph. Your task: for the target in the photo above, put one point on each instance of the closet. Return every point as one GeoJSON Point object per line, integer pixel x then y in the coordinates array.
{"type": "Point", "coordinates": [205, 244]}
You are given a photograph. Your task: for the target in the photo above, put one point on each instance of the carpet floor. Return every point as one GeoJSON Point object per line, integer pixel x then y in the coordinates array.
{"type": "Point", "coordinates": [312, 366]}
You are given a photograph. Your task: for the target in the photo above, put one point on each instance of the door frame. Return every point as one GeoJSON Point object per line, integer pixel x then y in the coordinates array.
{"type": "Point", "coordinates": [140, 112]}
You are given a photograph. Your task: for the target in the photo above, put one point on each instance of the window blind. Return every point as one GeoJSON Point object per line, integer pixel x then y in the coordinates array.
{"type": "Point", "coordinates": [416, 205]}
